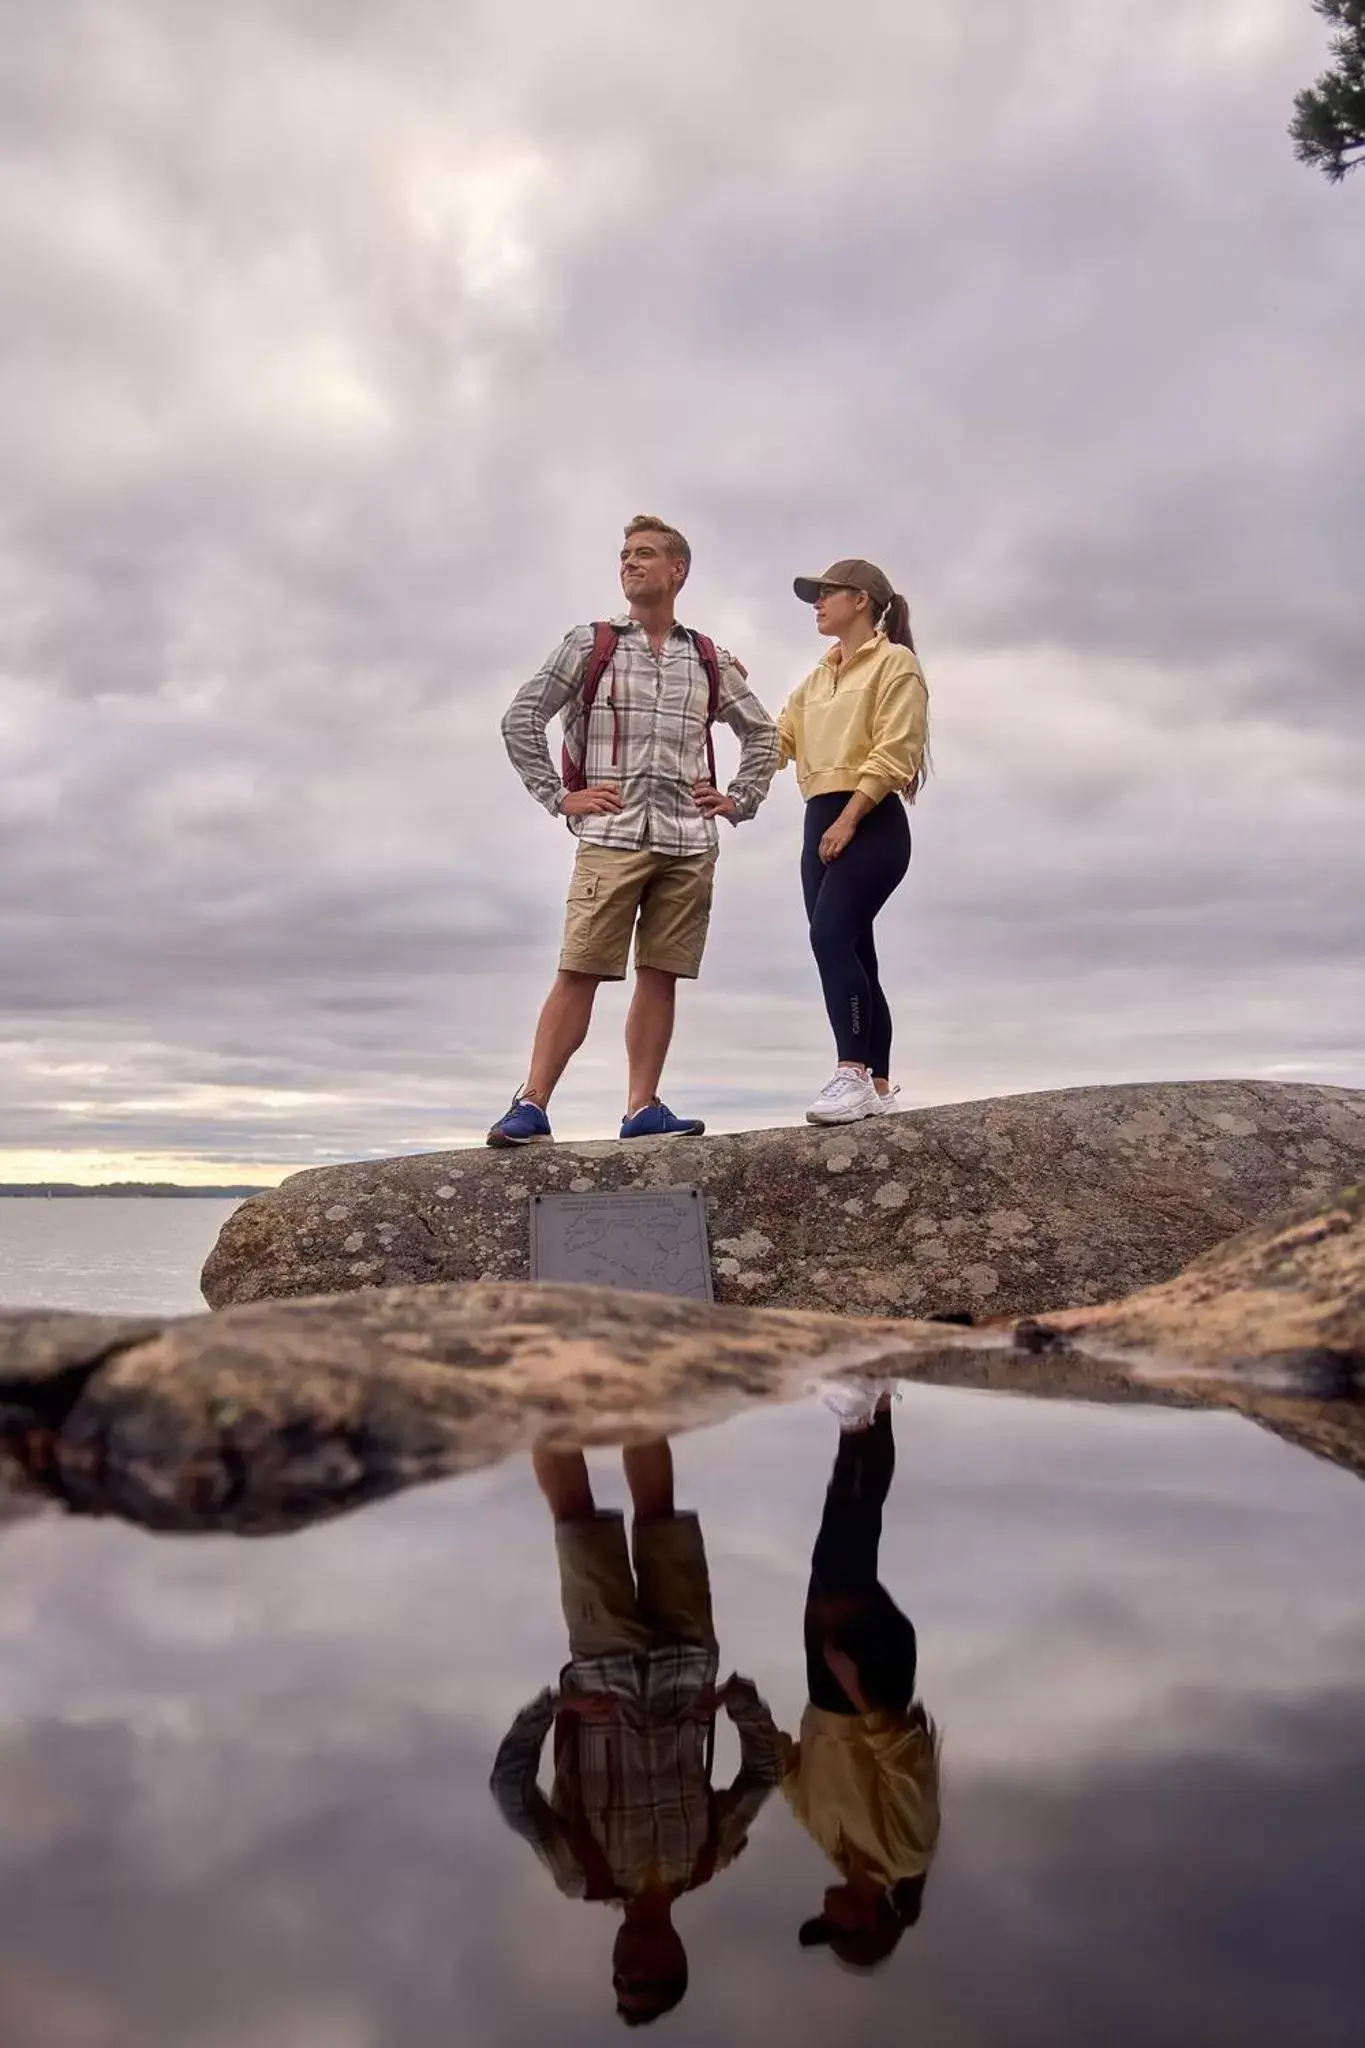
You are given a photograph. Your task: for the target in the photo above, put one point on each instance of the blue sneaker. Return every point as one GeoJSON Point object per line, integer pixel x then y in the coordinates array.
{"type": "Point", "coordinates": [524, 1124]}
{"type": "Point", "coordinates": [656, 1120]}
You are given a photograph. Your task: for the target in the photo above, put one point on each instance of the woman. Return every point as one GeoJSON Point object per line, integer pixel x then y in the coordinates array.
{"type": "Point", "coordinates": [857, 729]}
{"type": "Point", "coordinates": [864, 1778]}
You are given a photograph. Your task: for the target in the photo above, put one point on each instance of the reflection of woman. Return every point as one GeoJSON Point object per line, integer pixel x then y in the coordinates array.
{"type": "Point", "coordinates": [863, 1780]}
{"type": "Point", "coordinates": [856, 729]}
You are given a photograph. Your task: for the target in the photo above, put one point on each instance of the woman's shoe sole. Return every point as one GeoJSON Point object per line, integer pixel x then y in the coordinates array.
{"type": "Point", "coordinates": [501, 1143]}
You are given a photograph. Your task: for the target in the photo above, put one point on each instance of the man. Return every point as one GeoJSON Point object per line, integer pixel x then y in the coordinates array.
{"type": "Point", "coordinates": [632, 1819]}
{"type": "Point", "coordinates": [638, 796]}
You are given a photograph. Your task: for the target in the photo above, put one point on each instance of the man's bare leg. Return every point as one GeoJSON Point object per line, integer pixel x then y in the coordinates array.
{"type": "Point", "coordinates": [563, 1479]}
{"type": "Point", "coordinates": [561, 1029]}
{"type": "Point", "coordinates": [649, 1033]}
{"type": "Point", "coordinates": [649, 1475]}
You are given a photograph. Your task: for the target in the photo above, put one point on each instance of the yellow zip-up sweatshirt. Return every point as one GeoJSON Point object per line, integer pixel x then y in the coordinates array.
{"type": "Point", "coordinates": [865, 1787]}
{"type": "Point", "coordinates": [858, 724]}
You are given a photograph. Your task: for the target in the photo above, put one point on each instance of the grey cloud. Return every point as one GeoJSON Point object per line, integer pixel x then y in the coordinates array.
{"type": "Point", "coordinates": [340, 344]}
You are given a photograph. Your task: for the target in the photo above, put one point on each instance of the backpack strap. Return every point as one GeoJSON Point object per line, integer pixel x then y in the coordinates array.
{"type": "Point", "coordinates": [605, 638]}
{"type": "Point", "coordinates": [584, 1847]}
{"type": "Point", "coordinates": [710, 661]}
{"type": "Point", "coordinates": [573, 773]}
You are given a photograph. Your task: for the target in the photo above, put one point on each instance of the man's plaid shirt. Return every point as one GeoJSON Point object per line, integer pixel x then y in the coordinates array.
{"type": "Point", "coordinates": [660, 704]}
{"type": "Point", "coordinates": [632, 1806]}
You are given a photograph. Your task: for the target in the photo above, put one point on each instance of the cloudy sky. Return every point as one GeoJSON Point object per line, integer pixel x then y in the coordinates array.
{"type": "Point", "coordinates": [339, 341]}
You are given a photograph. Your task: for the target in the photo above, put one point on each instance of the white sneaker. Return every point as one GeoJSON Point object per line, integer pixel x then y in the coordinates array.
{"type": "Point", "coordinates": [886, 1104]}
{"type": "Point", "coordinates": [855, 1401]}
{"type": "Point", "coordinates": [846, 1098]}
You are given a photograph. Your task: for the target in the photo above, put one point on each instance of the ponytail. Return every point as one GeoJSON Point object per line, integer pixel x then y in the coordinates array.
{"type": "Point", "coordinates": [895, 622]}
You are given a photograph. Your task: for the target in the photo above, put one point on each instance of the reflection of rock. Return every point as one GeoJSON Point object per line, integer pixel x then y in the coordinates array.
{"type": "Point", "coordinates": [46, 1347]}
{"type": "Point", "coordinates": [267, 1415]}
{"type": "Point", "coordinates": [20, 1497]}
{"type": "Point", "coordinates": [1003, 1207]}
{"type": "Point", "coordinates": [270, 1415]}
{"type": "Point", "coordinates": [46, 1359]}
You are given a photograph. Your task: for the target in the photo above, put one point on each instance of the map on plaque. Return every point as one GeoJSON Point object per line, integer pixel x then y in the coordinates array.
{"type": "Point", "coordinates": [646, 1240]}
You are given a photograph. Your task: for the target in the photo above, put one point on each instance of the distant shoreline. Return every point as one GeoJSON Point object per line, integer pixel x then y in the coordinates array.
{"type": "Point", "coordinates": [127, 1190]}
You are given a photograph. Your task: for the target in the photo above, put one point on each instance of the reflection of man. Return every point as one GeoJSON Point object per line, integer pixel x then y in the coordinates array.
{"type": "Point", "coordinates": [632, 1818]}
{"type": "Point", "coordinates": [863, 1780]}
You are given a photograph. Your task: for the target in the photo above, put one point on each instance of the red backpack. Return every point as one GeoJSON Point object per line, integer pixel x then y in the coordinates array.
{"type": "Point", "coordinates": [604, 639]}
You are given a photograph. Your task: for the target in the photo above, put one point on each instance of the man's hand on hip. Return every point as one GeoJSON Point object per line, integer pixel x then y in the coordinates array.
{"type": "Point", "coordinates": [599, 801]}
{"type": "Point", "coordinates": [710, 802]}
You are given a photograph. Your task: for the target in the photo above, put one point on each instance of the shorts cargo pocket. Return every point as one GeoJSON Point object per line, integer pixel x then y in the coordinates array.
{"type": "Point", "coordinates": [598, 914]}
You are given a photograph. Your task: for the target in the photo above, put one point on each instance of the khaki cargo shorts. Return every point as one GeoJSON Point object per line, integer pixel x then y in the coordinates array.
{"type": "Point", "coordinates": [612, 887]}
{"type": "Point", "coordinates": [609, 1611]}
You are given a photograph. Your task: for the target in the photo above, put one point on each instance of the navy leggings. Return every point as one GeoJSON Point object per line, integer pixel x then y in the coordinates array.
{"type": "Point", "coordinates": [846, 1603]}
{"type": "Point", "coordinates": [842, 899]}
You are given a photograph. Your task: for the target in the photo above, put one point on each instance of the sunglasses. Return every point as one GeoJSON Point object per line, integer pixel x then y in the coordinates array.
{"type": "Point", "coordinates": [824, 590]}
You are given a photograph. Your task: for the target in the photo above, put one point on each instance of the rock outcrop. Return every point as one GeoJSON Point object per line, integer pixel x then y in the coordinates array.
{"type": "Point", "coordinates": [270, 1415]}
{"type": "Point", "coordinates": [997, 1208]}
{"type": "Point", "coordinates": [1286, 1301]}
{"type": "Point", "coordinates": [243, 1418]}
{"type": "Point", "coordinates": [1276, 1318]}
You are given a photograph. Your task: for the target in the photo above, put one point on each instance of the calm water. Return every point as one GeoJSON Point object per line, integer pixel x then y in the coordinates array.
{"type": "Point", "coordinates": [134, 1257]}
{"type": "Point", "coordinates": [245, 1786]}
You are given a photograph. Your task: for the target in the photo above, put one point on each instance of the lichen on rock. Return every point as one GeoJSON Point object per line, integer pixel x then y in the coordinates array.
{"type": "Point", "coordinates": [1075, 1196]}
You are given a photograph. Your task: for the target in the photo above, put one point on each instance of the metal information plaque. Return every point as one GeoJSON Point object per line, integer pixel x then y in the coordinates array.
{"type": "Point", "coordinates": [646, 1240]}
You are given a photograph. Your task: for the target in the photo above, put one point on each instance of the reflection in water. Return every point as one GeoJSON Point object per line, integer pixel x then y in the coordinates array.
{"type": "Point", "coordinates": [633, 1819]}
{"type": "Point", "coordinates": [863, 1779]}
{"type": "Point", "coordinates": [244, 1786]}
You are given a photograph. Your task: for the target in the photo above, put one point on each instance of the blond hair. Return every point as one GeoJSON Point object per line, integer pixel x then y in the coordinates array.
{"type": "Point", "coordinates": [646, 522]}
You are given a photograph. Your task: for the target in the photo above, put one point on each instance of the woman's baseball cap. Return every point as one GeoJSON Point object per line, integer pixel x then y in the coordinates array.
{"type": "Point", "coordinates": [867, 1948]}
{"type": "Point", "coordinates": [852, 574]}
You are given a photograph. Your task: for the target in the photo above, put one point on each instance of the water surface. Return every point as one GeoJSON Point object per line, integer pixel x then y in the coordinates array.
{"type": "Point", "coordinates": [115, 1255]}
{"type": "Point", "coordinates": [244, 1787]}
